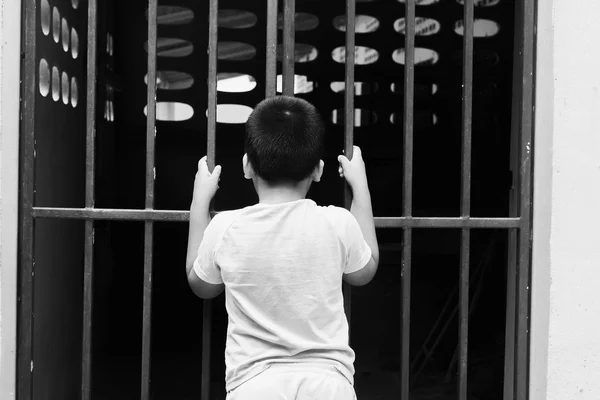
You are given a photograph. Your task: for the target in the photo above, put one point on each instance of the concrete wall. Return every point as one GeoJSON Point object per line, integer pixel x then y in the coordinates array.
{"type": "Point", "coordinates": [566, 259]}
{"type": "Point", "coordinates": [10, 33]}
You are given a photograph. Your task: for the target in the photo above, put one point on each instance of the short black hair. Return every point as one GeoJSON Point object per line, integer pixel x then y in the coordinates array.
{"type": "Point", "coordinates": [284, 139]}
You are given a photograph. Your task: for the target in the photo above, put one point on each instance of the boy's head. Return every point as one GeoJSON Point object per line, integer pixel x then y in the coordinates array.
{"type": "Point", "coordinates": [284, 139]}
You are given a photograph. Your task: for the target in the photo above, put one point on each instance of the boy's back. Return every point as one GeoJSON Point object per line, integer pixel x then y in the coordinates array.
{"type": "Point", "coordinates": [281, 262]}
{"type": "Point", "coordinates": [282, 266]}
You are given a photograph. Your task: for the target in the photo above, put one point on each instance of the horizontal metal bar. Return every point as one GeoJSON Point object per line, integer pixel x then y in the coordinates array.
{"type": "Point", "coordinates": [446, 222]}
{"type": "Point", "coordinates": [175, 215]}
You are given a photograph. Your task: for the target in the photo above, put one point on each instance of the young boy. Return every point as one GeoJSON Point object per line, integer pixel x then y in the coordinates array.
{"type": "Point", "coordinates": [281, 262]}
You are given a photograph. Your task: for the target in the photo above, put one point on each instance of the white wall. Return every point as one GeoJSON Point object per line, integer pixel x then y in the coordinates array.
{"type": "Point", "coordinates": [566, 280]}
{"type": "Point", "coordinates": [10, 33]}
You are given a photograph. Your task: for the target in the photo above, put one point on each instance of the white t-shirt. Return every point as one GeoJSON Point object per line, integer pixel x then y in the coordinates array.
{"type": "Point", "coordinates": [282, 266]}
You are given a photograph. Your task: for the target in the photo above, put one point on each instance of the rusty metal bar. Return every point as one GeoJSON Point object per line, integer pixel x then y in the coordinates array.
{"type": "Point", "coordinates": [349, 123]}
{"type": "Point", "coordinates": [463, 315]}
{"type": "Point", "coordinates": [212, 82]}
{"type": "Point", "coordinates": [26, 203]}
{"type": "Point", "coordinates": [211, 154]}
{"type": "Point", "coordinates": [467, 110]}
{"type": "Point", "coordinates": [149, 202]}
{"type": "Point", "coordinates": [409, 86]}
{"type": "Point", "coordinates": [527, 8]}
{"type": "Point", "coordinates": [90, 160]}
{"type": "Point", "coordinates": [271, 68]}
{"type": "Point", "coordinates": [174, 216]}
{"type": "Point", "coordinates": [288, 54]}
{"type": "Point", "coordinates": [515, 197]}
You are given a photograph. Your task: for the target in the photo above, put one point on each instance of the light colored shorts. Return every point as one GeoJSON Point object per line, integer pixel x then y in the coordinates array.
{"type": "Point", "coordinates": [295, 382]}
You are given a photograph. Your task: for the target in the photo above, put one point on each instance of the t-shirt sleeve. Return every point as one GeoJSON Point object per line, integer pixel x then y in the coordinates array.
{"type": "Point", "coordinates": [205, 265]}
{"type": "Point", "coordinates": [358, 252]}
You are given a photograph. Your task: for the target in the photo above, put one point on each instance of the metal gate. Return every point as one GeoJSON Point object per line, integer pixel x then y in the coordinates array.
{"type": "Point", "coordinates": [518, 223]}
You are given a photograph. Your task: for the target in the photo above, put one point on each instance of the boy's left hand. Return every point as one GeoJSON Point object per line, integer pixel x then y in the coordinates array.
{"type": "Point", "coordinates": [206, 183]}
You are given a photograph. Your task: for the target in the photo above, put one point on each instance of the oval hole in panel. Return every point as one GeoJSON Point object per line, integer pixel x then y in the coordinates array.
{"type": "Point", "coordinates": [173, 15]}
{"type": "Point", "coordinates": [360, 88]}
{"type": "Point", "coordinates": [236, 19]}
{"type": "Point", "coordinates": [364, 23]}
{"type": "Point", "coordinates": [56, 24]}
{"type": "Point", "coordinates": [55, 84]}
{"type": "Point", "coordinates": [235, 51]}
{"type": "Point", "coordinates": [232, 113]}
{"type": "Point", "coordinates": [172, 80]}
{"type": "Point", "coordinates": [303, 53]}
{"type": "Point", "coordinates": [423, 120]}
{"type": "Point", "coordinates": [481, 28]}
{"type": "Point", "coordinates": [235, 82]}
{"type": "Point", "coordinates": [362, 55]}
{"type": "Point", "coordinates": [301, 84]}
{"type": "Point", "coordinates": [422, 2]}
{"type": "Point", "coordinates": [172, 111]}
{"type": "Point", "coordinates": [111, 111]}
{"type": "Point", "coordinates": [362, 117]}
{"type": "Point", "coordinates": [172, 47]}
{"type": "Point", "coordinates": [421, 89]}
{"type": "Point", "coordinates": [74, 92]}
{"type": "Point", "coordinates": [44, 77]}
{"type": "Point", "coordinates": [45, 17]}
{"type": "Point", "coordinates": [65, 88]}
{"type": "Point", "coordinates": [481, 3]}
{"type": "Point", "coordinates": [423, 26]}
{"type": "Point", "coordinates": [304, 22]}
{"type": "Point", "coordinates": [423, 56]}
{"type": "Point", "coordinates": [109, 44]}
{"type": "Point", "coordinates": [74, 43]}
{"type": "Point", "coordinates": [65, 35]}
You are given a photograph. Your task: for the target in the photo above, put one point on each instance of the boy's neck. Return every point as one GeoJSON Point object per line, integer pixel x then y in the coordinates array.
{"type": "Point", "coordinates": [280, 192]}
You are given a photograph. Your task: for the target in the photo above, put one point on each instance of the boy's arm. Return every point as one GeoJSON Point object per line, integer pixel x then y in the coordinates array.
{"type": "Point", "coordinates": [361, 210]}
{"type": "Point", "coordinates": [355, 174]}
{"type": "Point", "coordinates": [205, 186]}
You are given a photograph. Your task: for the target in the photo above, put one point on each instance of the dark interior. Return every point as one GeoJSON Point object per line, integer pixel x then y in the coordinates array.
{"type": "Point", "coordinates": [120, 183]}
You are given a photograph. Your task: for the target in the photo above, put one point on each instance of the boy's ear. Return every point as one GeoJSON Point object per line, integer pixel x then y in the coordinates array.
{"type": "Point", "coordinates": [247, 167]}
{"type": "Point", "coordinates": [318, 172]}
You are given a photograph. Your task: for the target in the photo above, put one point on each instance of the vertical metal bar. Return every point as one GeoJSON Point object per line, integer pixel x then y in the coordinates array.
{"type": "Point", "coordinates": [211, 154]}
{"type": "Point", "coordinates": [523, 274]}
{"type": "Point", "coordinates": [288, 59]}
{"type": "Point", "coordinates": [88, 267]}
{"type": "Point", "coordinates": [271, 68]}
{"type": "Point", "coordinates": [149, 202]}
{"type": "Point", "coordinates": [511, 273]}
{"type": "Point", "coordinates": [349, 121]}
{"type": "Point", "coordinates": [409, 86]}
{"type": "Point", "coordinates": [463, 314]}
{"type": "Point", "coordinates": [26, 204]}
{"type": "Point", "coordinates": [467, 108]}
{"type": "Point", "coordinates": [212, 82]}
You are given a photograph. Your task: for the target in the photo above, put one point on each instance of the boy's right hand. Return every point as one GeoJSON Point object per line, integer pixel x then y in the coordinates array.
{"type": "Point", "coordinates": [205, 183]}
{"type": "Point", "coordinates": [353, 170]}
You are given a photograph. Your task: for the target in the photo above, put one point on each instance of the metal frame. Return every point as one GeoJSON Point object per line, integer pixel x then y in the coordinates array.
{"type": "Point", "coordinates": [521, 224]}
